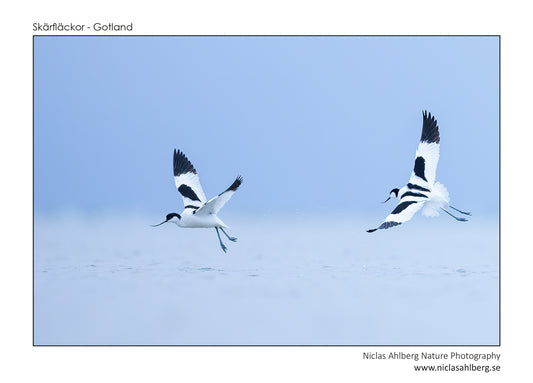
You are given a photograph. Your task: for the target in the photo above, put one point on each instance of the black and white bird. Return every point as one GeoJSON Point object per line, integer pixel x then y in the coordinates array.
{"type": "Point", "coordinates": [198, 211]}
{"type": "Point", "coordinates": [422, 192]}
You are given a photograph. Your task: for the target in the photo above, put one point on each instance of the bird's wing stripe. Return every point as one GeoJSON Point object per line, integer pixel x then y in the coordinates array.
{"type": "Point", "coordinates": [191, 207]}
{"type": "Point", "coordinates": [416, 187]}
{"type": "Point", "coordinates": [420, 165]}
{"type": "Point", "coordinates": [404, 211]}
{"type": "Point", "coordinates": [411, 194]}
{"type": "Point", "coordinates": [425, 169]}
{"type": "Point", "coordinates": [187, 192]}
{"type": "Point", "coordinates": [402, 206]}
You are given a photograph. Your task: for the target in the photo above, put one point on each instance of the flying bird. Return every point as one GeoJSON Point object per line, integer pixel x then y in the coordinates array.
{"type": "Point", "coordinates": [421, 192]}
{"type": "Point", "coordinates": [198, 211]}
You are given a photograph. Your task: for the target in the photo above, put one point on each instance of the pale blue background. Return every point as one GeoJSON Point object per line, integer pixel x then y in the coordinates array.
{"type": "Point", "coordinates": [321, 128]}
{"type": "Point", "coordinates": [314, 124]}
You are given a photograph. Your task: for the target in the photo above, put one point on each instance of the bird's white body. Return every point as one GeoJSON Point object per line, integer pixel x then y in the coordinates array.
{"type": "Point", "coordinates": [204, 221]}
{"type": "Point", "coordinates": [421, 192]}
{"type": "Point", "coordinates": [438, 199]}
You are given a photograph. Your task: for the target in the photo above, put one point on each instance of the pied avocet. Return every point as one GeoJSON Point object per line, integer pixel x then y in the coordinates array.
{"type": "Point", "coordinates": [198, 211]}
{"type": "Point", "coordinates": [422, 192]}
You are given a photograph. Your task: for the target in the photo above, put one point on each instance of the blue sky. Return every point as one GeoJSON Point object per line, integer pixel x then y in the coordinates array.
{"type": "Point", "coordinates": [313, 124]}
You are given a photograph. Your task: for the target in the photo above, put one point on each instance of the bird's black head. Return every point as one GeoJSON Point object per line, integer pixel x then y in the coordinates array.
{"type": "Point", "coordinates": [169, 218]}
{"type": "Point", "coordinates": [393, 193]}
{"type": "Point", "coordinates": [172, 215]}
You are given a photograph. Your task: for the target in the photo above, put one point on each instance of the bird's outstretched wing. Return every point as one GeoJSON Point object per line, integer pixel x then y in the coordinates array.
{"type": "Point", "coordinates": [427, 153]}
{"type": "Point", "coordinates": [188, 182]}
{"type": "Point", "coordinates": [403, 212]}
{"type": "Point", "coordinates": [216, 203]}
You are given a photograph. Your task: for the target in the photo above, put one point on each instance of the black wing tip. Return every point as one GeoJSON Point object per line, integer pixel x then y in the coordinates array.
{"type": "Point", "coordinates": [430, 130]}
{"type": "Point", "coordinates": [182, 164]}
{"type": "Point", "coordinates": [385, 225]}
{"type": "Point", "coordinates": [235, 185]}
{"type": "Point", "coordinates": [389, 224]}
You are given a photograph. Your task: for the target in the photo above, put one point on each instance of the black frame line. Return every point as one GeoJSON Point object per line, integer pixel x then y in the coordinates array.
{"type": "Point", "coordinates": [275, 345]}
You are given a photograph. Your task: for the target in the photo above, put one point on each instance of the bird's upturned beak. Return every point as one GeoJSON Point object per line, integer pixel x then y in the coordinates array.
{"type": "Point", "coordinates": [386, 200]}
{"type": "Point", "coordinates": [159, 224]}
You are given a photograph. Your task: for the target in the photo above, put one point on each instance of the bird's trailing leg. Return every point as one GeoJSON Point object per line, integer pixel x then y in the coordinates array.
{"type": "Point", "coordinates": [224, 248]}
{"type": "Point", "coordinates": [459, 219]}
{"type": "Point", "coordinates": [232, 239]}
{"type": "Point", "coordinates": [462, 212]}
